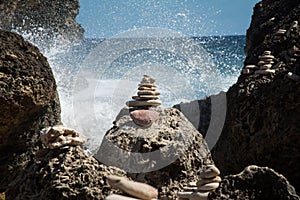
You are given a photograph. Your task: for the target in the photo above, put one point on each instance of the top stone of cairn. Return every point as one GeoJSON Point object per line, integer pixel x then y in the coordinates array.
{"type": "Point", "coordinates": [147, 96]}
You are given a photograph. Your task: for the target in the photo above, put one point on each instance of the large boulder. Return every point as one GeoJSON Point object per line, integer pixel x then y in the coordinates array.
{"type": "Point", "coordinates": [257, 183]}
{"type": "Point", "coordinates": [44, 22]}
{"type": "Point", "coordinates": [29, 102]}
{"type": "Point", "coordinates": [262, 123]}
{"type": "Point", "coordinates": [167, 155]}
{"type": "Point", "coordinates": [63, 174]}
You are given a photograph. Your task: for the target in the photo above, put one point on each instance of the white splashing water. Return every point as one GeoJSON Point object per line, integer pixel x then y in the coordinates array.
{"type": "Point", "coordinates": [95, 78]}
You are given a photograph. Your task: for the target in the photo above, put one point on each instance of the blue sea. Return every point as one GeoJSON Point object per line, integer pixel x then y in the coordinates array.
{"type": "Point", "coordinates": [95, 77]}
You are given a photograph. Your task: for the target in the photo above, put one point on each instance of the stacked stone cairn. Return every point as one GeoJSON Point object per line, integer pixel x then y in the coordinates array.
{"type": "Point", "coordinates": [264, 65]}
{"type": "Point", "coordinates": [136, 189]}
{"type": "Point", "coordinates": [279, 35]}
{"type": "Point", "coordinates": [147, 96]}
{"type": "Point", "coordinates": [209, 180]}
{"type": "Point", "coordinates": [60, 136]}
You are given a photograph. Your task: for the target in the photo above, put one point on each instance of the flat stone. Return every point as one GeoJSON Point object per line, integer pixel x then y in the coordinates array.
{"type": "Point", "coordinates": [203, 181]}
{"type": "Point", "coordinates": [136, 189]}
{"type": "Point", "coordinates": [264, 72]}
{"type": "Point", "coordinates": [144, 118]}
{"type": "Point", "coordinates": [210, 172]}
{"type": "Point", "coordinates": [198, 195]}
{"type": "Point", "coordinates": [265, 62]}
{"type": "Point", "coordinates": [149, 85]}
{"type": "Point", "coordinates": [266, 57]}
{"type": "Point", "coordinates": [147, 92]}
{"type": "Point", "coordinates": [209, 186]}
{"type": "Point", "coordinates": [118, 197]}
{"type": "Point", "coordinates": [251, 67]}
{"type": "Point", "coordinates": [145, 97]}
{"type": "Point", "coordinates": [190, 188]}
{"type": "Point", "coordinates": [147, 103]}
{"type": "Point", "coordinates": [147, 88]}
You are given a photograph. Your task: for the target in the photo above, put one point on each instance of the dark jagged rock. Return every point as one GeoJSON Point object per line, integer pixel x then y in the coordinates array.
{"type": "Point", "coordinates": [198, 112]}
{"type": "Point", "coordinates": [166, 155]}
{"type": "Point", "coordinates": [43, 20]}
{"type": "Point", "coordinates": [262, 123]}
{"type": "Point", "coordinates": [62, 174]}
{"type": "Point", "coordinates": [256, 183]}
{"type": "Point", "coordinates": [29, 102]}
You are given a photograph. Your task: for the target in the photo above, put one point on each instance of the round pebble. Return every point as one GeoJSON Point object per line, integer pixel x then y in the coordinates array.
{"type": "Point", "coordinates": [144, 118]}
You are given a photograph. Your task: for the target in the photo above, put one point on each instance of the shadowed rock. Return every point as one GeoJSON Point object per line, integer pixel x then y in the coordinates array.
{"type": "Point", "coordinates": [259, 183]}
{"type": "Point", "coordinates": [29, 102]}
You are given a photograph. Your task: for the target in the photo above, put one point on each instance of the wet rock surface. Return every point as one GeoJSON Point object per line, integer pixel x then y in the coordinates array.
{"type": "Point", "coordinates": [166, 155]}
{"type": "Point", "coordinates": [29, 102]}
{"type": "Point", "coordinates": [66, 173]}
{"type": "Point", "coordinates": [254, 182]}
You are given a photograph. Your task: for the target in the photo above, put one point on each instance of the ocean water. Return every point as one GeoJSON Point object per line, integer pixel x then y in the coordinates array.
{"type": "Point", "coordinates": [95, 77]}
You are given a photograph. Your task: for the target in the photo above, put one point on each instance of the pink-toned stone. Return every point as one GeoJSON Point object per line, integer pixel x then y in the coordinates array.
{"type": "Point", "coordinates": [144, 118]}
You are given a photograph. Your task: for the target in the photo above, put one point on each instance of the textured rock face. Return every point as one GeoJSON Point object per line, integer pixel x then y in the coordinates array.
{"type": "Point", "coordinates": [29, 102]}
{"type": "Point", "coordinates": [42, 19]}
{"type": "Point", "coordinates": [166, 155]}
{"type": "Point", "coordinates": [63, 174]}
{"type": "Point", "coordinates": [257, 183]}
{"type": "Point", "coordinates": [262, 123]}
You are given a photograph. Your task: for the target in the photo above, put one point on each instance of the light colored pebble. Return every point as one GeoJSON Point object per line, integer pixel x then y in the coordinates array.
{"type": "Point", "coordinates": [264, 72]}
{"type": "Point", "coordinates": [193, 195]}
{"type": "Point", "coordinates": [210, 172]}
{"type": "Point", "coordinates": [118, 197]}
{"type": "Point", "coordinates": [203, 181]}
{"type": "Point", "coordinates": [209, 186]}
{"type": "Point", "coordinates": [136, 189]}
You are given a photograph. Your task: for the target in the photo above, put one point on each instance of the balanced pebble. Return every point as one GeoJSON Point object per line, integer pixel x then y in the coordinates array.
{"type": "Point", "coordinates": [209, 186]}
{"type": "Point", "coordinates": [264, 72]}
{"type": "Point", "coordinates": [210, 172]}
{"type": "Point", "coordinates": [203, 181]}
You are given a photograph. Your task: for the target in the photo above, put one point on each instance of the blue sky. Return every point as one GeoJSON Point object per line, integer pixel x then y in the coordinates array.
{"type": "Point", "coordinates": [106, 18]}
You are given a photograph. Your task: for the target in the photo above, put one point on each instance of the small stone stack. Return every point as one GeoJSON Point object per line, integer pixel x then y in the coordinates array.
{"type": "Point", "coordinates": [265, 63]}
{"type": "Point", "coordinates": [60, 136]}
{"type": "Point", "coordinates": [209, 180]}
{"type": "Point", "coordinates": [279, 35]}
{"type": "Point", "coordinates": [147, 96]}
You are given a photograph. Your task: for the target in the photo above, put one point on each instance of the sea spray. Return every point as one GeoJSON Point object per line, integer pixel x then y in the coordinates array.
{"type": "Point", "coordinates": [92, 93]}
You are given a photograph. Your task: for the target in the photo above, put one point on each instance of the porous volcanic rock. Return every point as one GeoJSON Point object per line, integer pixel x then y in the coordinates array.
{"type": "Point", "coordinates": [167, 155]}
{"type": "Point", "coordinates": [255, 183]}
{"type": "Point", "coordinates": [42, 20]}
{"type": "Point", "coordinates": [262, 121]}
{"type": "Point", "coordinates": [29, 102]}
{"type": "Point", "coordinates": [66, 173]}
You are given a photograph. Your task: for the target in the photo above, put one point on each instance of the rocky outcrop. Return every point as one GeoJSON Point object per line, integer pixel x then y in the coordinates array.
{"type": "Point", "coordinates": [257, 183]}
{"type": "Point", "coordinates": [198, 112]}
{"type": "Point", "coordinates": [262, 122]}
{"type": "Point", "coordinates": [29, 102]}
{"type": "Point", "coordinates": [166, 155]}
{"type": "Point", "coordinates": [65, 173]}
{"type": "Point", "coordinates": [42, 21]}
